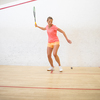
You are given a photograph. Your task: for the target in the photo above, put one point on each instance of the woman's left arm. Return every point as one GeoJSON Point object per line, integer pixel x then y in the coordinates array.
{"type": "Point", "coordinates": [69, 41]}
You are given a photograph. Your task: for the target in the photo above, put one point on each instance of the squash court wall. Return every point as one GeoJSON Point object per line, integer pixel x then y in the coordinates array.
{"type": "Point", "coordinates": [23, 44]}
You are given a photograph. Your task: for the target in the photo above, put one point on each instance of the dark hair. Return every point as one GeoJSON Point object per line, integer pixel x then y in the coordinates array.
{"type": "Point", "coordinates": [49, 18]}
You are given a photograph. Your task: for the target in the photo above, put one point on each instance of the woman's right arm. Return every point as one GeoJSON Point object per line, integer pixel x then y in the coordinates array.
{"type": "Point", "coordinates": [42, 28]}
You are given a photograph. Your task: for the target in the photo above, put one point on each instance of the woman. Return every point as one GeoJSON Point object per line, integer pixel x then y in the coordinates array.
{"type": "Point", "coordinates": [53, 42]}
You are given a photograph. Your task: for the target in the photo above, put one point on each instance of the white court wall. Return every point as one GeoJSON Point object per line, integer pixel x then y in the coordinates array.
{"type": "Point", "coordinates": [23, 44]}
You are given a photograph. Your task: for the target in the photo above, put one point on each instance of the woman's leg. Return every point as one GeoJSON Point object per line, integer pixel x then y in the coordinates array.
{"type": "Point", "coordinates": [55, 49]}
{"type": "Point", "coordinates": [49, 52]}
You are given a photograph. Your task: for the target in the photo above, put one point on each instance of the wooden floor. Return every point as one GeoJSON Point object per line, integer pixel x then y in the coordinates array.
{"type": "Point", "coordinates": [36, 83]}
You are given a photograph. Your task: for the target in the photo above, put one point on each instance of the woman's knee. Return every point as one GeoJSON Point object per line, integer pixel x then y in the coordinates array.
{"type": "Point", "coordinates": [55, 54]}
{"type": "Point", "coordinates": [49, 55]}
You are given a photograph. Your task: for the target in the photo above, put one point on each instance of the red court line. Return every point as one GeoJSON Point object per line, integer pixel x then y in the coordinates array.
{"type": "Point", "coordinates": [17, 4]}
{"type": "Point", "coordinates": [49, 88]}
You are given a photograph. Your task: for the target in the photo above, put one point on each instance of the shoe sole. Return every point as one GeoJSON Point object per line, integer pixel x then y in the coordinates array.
{"type": "Point", "coordinates": [61, 71]}
{"type": "Point", "coordinates": [50, 70]}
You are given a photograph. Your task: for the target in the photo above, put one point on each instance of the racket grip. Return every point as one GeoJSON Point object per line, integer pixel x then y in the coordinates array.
{"type": "Point", "coordinates": [35, 24]}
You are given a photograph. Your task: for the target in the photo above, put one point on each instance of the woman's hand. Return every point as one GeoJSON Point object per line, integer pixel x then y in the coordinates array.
{"type": "Point", "coordinates": [69, 41]}
{"type": "Point", "coordinates": [35, 25]}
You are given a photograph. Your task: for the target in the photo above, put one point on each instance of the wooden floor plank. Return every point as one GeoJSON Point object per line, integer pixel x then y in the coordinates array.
{"type": "Point", "coordinates": [36, 83]}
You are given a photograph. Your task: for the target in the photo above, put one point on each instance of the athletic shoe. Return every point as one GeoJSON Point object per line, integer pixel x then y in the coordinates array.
{"type": "Point", "coordinates": [60, 69]}
{"type": "Point", "coordinates": [50, 69]}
